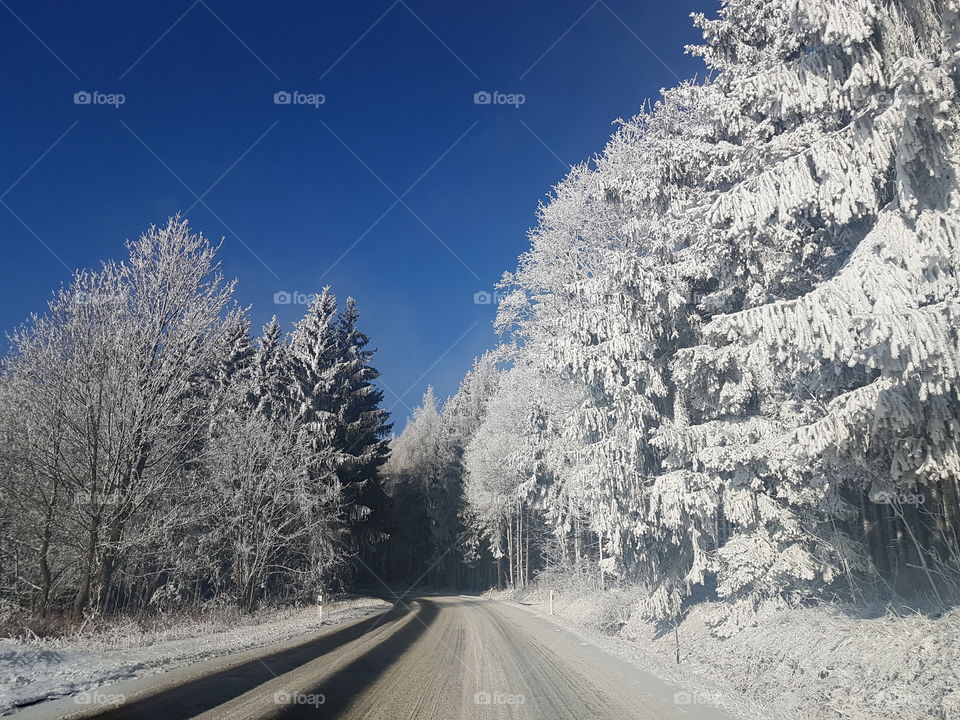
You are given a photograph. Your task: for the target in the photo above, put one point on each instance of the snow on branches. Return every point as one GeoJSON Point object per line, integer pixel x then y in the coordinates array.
{"type": "Point", "coordinates": [739, 322]}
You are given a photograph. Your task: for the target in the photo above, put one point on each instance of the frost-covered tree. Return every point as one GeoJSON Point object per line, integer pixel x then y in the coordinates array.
{"type": "Point", "coordinates": [269, 387]}
{"type": "Point", "coordinates": [154, 456]}
{"type": "Point", "coordinates": [410, 471]}
{"type": "Point", "coordinates": [123, 364]}
{"type": "Point", "coordinates": [362, 428]}
{"type": "Point", "coordinates": [750, 298]}
{"type": "Point", "coordinates": [338, 408]}
{"type": "Point", "coordinates": [262, 516]}
{"type": "Point", "coordinates": [832, 248]}
{"type": "Point", "coordinates": [453, 530]}
{"type": "Point", "coordinates": [427, 469]}
{"type": "Point", "coordinates": [316, 370]}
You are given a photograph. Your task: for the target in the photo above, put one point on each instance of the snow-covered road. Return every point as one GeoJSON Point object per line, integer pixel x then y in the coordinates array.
{"type": "Point", "coordinates": [433, 657]}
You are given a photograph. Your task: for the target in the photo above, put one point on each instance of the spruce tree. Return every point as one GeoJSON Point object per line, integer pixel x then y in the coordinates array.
{"type": "Point", "coordinates": [362, 428]}
{"type": "Point", "coordinates": [270, 389]}
{"type": "Point", "coordinates": [315, 371]}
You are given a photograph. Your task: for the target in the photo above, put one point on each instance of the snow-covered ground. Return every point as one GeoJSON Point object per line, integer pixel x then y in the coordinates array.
{"type": "Point", "coordinates": [806, 664]}
{"type": "Point", "coordinates": [32, 671]}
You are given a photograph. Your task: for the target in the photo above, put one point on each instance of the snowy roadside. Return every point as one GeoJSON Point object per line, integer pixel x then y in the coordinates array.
{"type": "Point", "coordinates": [810, 664]}
{"type": "Point", "coordinates": [701, 688]}
{"type": "Point", "coordinates": [39, 670]}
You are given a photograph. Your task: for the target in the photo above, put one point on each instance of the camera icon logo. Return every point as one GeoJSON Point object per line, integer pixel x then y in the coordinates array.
{"type": "Point", "coordinates": [482, 98]}
{"type": "Point", "coordinates": [482, 298]}
{"type": "Point", "coordinates": [282, 97]}
{"type": "Point", "coordinates": [482, 698]}
{"type": "Point", "coordinates": [82, 98]}
{"type": "Point", "coordinates": [282, 298]}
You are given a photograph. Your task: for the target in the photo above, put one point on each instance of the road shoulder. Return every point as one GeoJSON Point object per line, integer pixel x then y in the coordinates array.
{"type": "Point", "coordinates": [45, 682]}
{"type": "Point", "coordinates": [687, 690]}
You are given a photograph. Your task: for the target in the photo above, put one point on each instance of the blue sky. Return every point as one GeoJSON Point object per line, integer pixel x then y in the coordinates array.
{"type": "Point", "coordinates": [398, 189]}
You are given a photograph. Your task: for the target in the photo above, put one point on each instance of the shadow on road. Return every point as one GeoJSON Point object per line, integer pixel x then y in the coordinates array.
{"type": "Point", "coordinates": [342, 687]}
{"type": "Point", "coordinates": [205, 693]}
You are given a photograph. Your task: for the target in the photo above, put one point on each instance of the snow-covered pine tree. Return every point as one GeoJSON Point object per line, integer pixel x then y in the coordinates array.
{"type": "Point", "coordinates": [601, 304]}
{"type": "Point", "coordinates": [237, 356]}
{"type": "Point", "coordinates": [413, 465]}
{"type": "Point", "coordinates": [826, 377]}
{"type": "Point", "coordinates": [269, 390]}
{"type": "Point", "coordinates": [361, 431]}
{"type": "Point", "coordinates": [754, 287]}
{"type": "Point", "coordinates": [460, 418]}
{"type": "Point", "coordinates": [315, 372]}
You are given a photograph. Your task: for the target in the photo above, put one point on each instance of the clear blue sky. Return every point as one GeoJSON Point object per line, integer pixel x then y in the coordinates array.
{"type": "Point", "coordinates": [295, 188]}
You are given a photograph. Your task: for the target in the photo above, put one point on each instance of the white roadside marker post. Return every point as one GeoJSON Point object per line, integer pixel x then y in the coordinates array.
{"type": "Point", "coordinates": [320, 605]}
{"type": "Point", "coordinates": [551, 601]}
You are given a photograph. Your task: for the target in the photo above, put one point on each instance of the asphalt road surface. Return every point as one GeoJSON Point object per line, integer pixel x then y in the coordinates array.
{"type": "Point", "coordinates": [439, 658]}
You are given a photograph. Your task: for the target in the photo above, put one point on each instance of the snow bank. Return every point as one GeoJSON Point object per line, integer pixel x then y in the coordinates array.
{"type": "Point", "coordinates": [821, 662]}
{"type": "Point", "coordinates": [818, 663]}
{"type": "Point", "coordinates": [32, 671]}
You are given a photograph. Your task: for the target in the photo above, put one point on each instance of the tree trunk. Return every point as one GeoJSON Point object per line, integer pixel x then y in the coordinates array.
{"type": "Point", "coordinates": [510, 550]}
{"type": "Point", "coordinates": [520, 576]}
{"type": "Point", "coordinates": [576, 542]}
{"type": "Point", "coordinates": [526, 554]}
{"type": "Point", "coordinates": [83, 594]}
{"type": "Point", "coordinates": [108, 565]}
{"type": "Point", "coordinates": [45, 575]}
{"type": "Point", "coordinates": [600, 565]}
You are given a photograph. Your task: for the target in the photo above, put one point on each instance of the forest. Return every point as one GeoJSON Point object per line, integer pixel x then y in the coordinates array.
{"type": "Point", "coordinates": [155, 456]}
{"type": "Point", "coordinates": [727, 369]}
{"type": "Point", "coordinates": [728, 366]}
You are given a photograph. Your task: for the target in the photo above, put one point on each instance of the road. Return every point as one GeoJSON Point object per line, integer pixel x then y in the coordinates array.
{"type": "Point", "coordinates": [439, 658]}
